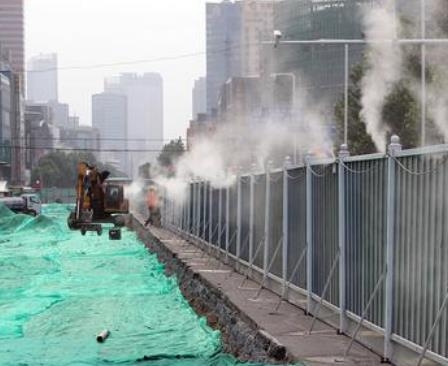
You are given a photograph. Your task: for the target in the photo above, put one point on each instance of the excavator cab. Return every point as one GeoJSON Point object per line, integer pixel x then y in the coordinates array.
{"type": "Point", "coordinates": [98, 202]}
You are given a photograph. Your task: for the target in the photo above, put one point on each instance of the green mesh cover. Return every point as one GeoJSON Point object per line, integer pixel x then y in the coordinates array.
{"type": "Point", "coordinates": [59, 289]}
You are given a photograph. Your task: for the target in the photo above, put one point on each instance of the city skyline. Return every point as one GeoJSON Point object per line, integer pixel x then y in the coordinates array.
{"type": "Point", "coordinates": [147, 32]}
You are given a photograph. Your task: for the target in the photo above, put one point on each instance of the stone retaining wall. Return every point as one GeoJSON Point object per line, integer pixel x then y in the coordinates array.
{"type": "Point", "coordinates": [241, 336]}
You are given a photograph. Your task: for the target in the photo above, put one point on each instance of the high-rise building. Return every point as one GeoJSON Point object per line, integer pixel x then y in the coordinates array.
{"type": "Point", "coordinates": [60, 114]}
{"type": "Point", "coordinates": [5, 128]}
{"type": "Point", "coordinates": [235, 32]}
{"type": "Point", "coordinates": [12, 32]}
{"type": "Point", "coordinates": [73, 122]}
{"type": "Point", "coordinates": [257, 26]}
{"type": "Point", "coordinates": [145, 115]}
{"type": "Point", "coordinates": [199, 97]}
{"type": "Point", "coordinates": [12, 53]}
{"type": "Point", "coordinates": [223, 23]}
{"type": "Point", "coordinates": [82, 138]}
{"type": "Point", "coordinates": [42, 78]}
{"type": "Point", "coordinates": [40, 134]}
{"type": "Point", "coordinates": [319, 71]}
{"type": "Point", "coordinates": [109, 117]}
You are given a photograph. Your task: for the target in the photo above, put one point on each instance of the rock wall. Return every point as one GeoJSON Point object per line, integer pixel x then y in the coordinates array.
{"type": "Point", "coordinates": [241, 336]}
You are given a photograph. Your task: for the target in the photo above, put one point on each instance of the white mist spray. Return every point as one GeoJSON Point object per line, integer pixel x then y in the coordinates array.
{"type": "Point", "coordinates": [384, 70]}
{"type": "Point", "coordinates": [437, 95]}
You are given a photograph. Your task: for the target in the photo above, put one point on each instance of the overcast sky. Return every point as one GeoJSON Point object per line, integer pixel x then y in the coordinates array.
{"type": "Point", "coordinates": [89, 32]}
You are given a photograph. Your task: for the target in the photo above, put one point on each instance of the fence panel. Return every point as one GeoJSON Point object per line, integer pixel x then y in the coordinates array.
{"type": "Point", "coordinates": [365, 232]}
{"type": "Point", "coordinates": [201, 208]}
{"type": "Point", "coordinates": [259, 211]}
{"type": "Point", "coordinates": [297, 226]}
{"type": "Point", "coordinates": [215, 216]}
{"type": "Point", "coordinates": [207, 216]}
{"type": "Point", "coordinates": [223, 228]}
{"type": "Point", "coordinates": [276, 224]}
{"type": "Point", "coordinates": [233, 209]}
{"type": "Point", "coordinates": [421, 250]}
{"type": "Point", "coordinates": [245, 217]}
{"type": "Point", "coordinates": [325, 231]}
{"type": "Point", "coordinates": [191, 208]}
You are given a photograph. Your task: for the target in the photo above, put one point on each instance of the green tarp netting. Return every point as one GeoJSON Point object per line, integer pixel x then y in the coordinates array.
{"type": "Point", "coordinates": [59, 289]}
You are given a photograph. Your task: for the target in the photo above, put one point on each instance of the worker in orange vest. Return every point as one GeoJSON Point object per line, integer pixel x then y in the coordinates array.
{"type": "Point", "coordinates": [152, 202]}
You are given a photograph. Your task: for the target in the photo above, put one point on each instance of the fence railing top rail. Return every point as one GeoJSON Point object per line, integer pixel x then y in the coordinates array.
{"type": "Point", "coordinates": [433, 149]}
{"type": "Point", "coordinates": [367, 157]}
{"type": "Point", "coordinates": [321, 161]}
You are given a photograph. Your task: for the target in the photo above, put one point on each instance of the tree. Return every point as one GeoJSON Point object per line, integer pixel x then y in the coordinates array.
{"type": "Point", "coordinates": [400, 112]}
{"type": "Point", "coordinates": [359, 140]}
{"type": "Point", "coordinates": [170, 154]}
{"type": "Point", "coordinates": [59, 169]}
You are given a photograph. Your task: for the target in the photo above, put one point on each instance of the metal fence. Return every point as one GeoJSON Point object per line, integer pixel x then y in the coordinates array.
{"type": "Point", "coordinates": [365, 237]}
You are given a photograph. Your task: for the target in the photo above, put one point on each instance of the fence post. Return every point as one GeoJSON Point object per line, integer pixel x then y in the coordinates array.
{"type": "Point", "coordinates": [267, 219]}
{"type": "Point", "coordinates": [343, 153]}
{"type": "Point", "coordinates": [309, 233]}
{"type": "Point", "coordinates": [251, 214]}
{"type": "Point", "coordinates": [285, 228]}
{"type": "Point", "coordinates": [238, 217]}
{"type": "Point", "coordinates": [394, 148]}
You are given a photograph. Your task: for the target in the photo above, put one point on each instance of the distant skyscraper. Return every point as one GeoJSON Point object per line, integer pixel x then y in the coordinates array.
{"type": "Point", "coordinates": [235, 31]}
{"type": "Point", "coordinates": [223, 23]}
{"type": "Point", "coordinates": [12, 32]}
{"type": "Point", "coordinates": [145, 114]}
{"type": "Point", "coordinates": [257, 26]}
{"type": "Point", "coordinates": [60, 114]}
{"type": "Point", "coordinates": [109, 117]}
{"type": "Point", "coordinates": [199, 97]}
{"type": "Point", "coordinates": [5, 128]}
{"type": "Point", "coordinates": [12, 49]}
{"type": "Point", "coordinates": [42, 78]}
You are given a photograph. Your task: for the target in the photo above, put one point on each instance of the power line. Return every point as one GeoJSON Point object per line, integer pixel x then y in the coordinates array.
{"type": "Point", "coordinates": [142, 61]}
{"type": "Point", "coordinates": [94, 139]}
{"type": "Point", "coordinates": [121, 63]}
{"type": "Point", "coordinates": [52, 148]}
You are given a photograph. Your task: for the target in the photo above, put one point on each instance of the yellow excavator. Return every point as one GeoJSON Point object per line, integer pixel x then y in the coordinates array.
{"type": "Point", "coordinates": [98, 202]}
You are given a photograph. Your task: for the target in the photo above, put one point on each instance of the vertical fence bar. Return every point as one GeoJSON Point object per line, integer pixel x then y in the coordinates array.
{"type": "Point", "coordinates": [197, 213]}
{"type": "Point", "coordinates": [309, 233]}
{"type": "Point", "coordinates": [343, 153]}
{"type": "Point", "coordinates": [238, 217]}
{"type": "Point", "coordinates": [267, 219]}
{"type": "Point", "coordinates": [189, 200]}
{"type": "Point", "coordinates": [285, 224]}
{"type": "Point", "coordinates": [204, 216]}
{"type": "Point", "coordinates": [251, 216]}
{"type": "Point", "coordinates": [198, 210]}
{"type": "Point", "coordinates": [227, 225]}
{"type": "Point", "coordinates": [210, 225]}
{"type": "Point", "coordinates": [394, 147]}
{"type": "Point", "coordinates": [219, 218]}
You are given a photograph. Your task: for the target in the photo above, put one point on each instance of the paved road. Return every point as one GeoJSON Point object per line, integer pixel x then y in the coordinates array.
{"type": "Point", "coordinates": [289, 325]}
